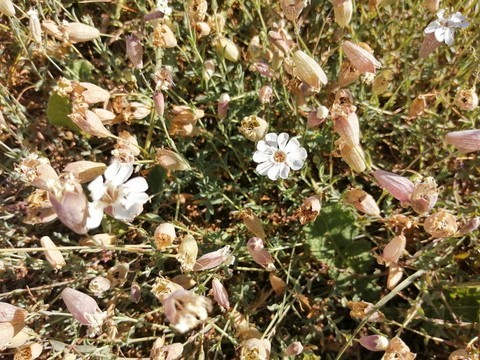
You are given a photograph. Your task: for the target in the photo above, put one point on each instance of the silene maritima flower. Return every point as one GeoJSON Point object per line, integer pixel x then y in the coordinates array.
{"type": "Point", "coordinates": [114, 195]}
{"type": "Point", "coordinates": [276, 155]}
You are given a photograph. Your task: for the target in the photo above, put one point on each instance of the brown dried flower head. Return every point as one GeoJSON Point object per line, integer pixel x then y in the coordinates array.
{"type": "Point", "coordinates": [89, 122]}
{"type": "Point", "coordinates": [417, 107]}
{"type": "Point", "coordinates": [254, 128]}
{"type": "Point", "coordinates": [362, 201]}
{"type": "Point", "coordinates": [253, 223]}
{"type": "Point", "coordinates": [278, 285]}
{"type": "Point", "coordinates": [164, 236]}
{"type": "Point", "coordinates": [308, 70]}
{"type": "Point", "coordinates": [37, 171]}
{"type": "Point", "coordinates": [54, 256]}
{"type": "Point", "coordinates": [397, 349]}
{"type": "Point", "coordinates": [382, 82]}
{"type": "Point", "coordinates": [164, 287]}
{"type": "Point", "coordinates": [342, 11]}
{"type": "Point", "coordinates": [352, 155]}
{"type": "Point", "coordinates": [197, 11]}
{"type": "Point", "coordinates": [466, 99]}
{"type": "Point", "coordinates": [85, 171]}
{"type": "Point", "coordinates": [292, 8]}
{"type": "Point", "coordinates": [347, 74]}
{"type": "Point", "coordinates": [424, 196]}
{"type": "Point", "coordinates": [255, 348]}
{"type": "Point", "coordinates": [441, 224]}
{"type": "Point", "coordinates": [183, 114]}
{"type": "Point", "coordinates": [187, 253]}
{"type": "Point", "coordinates": [99, 284]}
{"type": "Point", "coordinates": [394, 250]}
{"type": "Point", "coordinates": [39, 209]}
{"type": "Point", "coordinates": [170, 160]}
{"type": "Point", "coordinates": [309, 209]}
{"type": "Point", "coordinates": [361, 58]}
{"type": "Point", "coordinates": [164, 37]}
{"type": "Point", "coordinates": [360, 309]}
{"type": "Point", "coordinates": [160, 351]}
{"type": "Point", "coordinates": [432, 5]}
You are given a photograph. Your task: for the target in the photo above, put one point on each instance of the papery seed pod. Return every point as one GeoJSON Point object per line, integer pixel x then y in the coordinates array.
{"type": "Point", "coordinates": [106, 116]}
{"type": "Point", "coordinates": [348, 127]}
{"type": "Point", "coordinates": [164, 287]}
{"type": "Point", "coordinates": [197, 10]}
{"type": "Point", "coordinates": [398, 186]}
{"type": "Point", "coordinates": [222, 107]}
{"type": "Point", "coordinates": [78, 32]}
{"type": "Point", "coordinates": [394, 250]}
{"type": "Point", "coordinates": [202, 29]}
{"type": "Point", "coordinates": [281, 40]}
{"type": "Point", "coordinates": [465, 141]}
{"type": "Point", "coordinates": [93, 94]}
{"type": "Point", "coordinates": [466, 99]}
{"type": "Point", "coordinates": [347, 74]}
{"type": "Point", "coordinates": [361, 59]}
{"type": "Point", "coordinates": [469, 226]}
{"type": "Point", "coordinates": [140, 110]}
{"type": "Point", "coordinates": [170, 160]}
{"type": "Point", "coordinates": [89, 122]}
{"type": "Point", "coordinates": [432, 5]}
{"type": "Point", "coordinates": [39, 209]}
{"type": "Point", "coordinates": [159, 102]}
{"type": "Point", "coordinates": [254, 49]}
{"type": "Point", "coordinates": [166, 352]}
{"type": "Point", "coordinates": [214, 259]}
{"type": "Point", "coordinates": [37, 171]}
{"type": "Point", "coordinates": [317, 117]}
{"type": "Point", "coordinates": [374, 342]}
{"type": "Point", "coordinates": [183, 114]}
{"type": "Point", "coordinates": [397, 349]}
{"type": "Point", "coordinates": [99, 284]}
{"type": "Point", "coordinates": [362, 201]}
{"type": "Point", "coordinates": [28, 351]}
{"type": "Point", "coordinates": [278, 285]}
{"type": "Point", "coordinates": [34, 25]}
{"type": "Point", "coordinates": [11, 313]}
{"type": "Point", "coordinates": [441, 224]}
{"type": "Point", "coordinates": [395, 274]}
{"type": "Point", "coordinates": [217, 23]}
{"type": "Point", "coordinates": [382, 82]}
{"type": "Point", "coordinates": [85, 171]}
{"type": "Point", "coordinates": [70, 203]}
{"type": "Point", "coordinates": [8, 331]}
{"type": "Point", "coordinates": [164, 78]}
{"type": "Point", "coordinates": [294, 349]}
{"type": "Point", "coordinates": [429, 45]}
{"type": "Point", "coordinates": [21, 338]}
{"type": "Point", "coordinates": [99, 240]}
{"type": "Point", "coordinates": [164, 37]}
{"type": "Point", "coordinates": [292, 8]}
{"type": "Point", "coordinates": [54, 257]}
{"type": "Point", "coordinates": [220, 294]}
{"type": "Point", "coordinates": [352, 155]}
{"type": "Point", "coordinates": [185, 281]}
{"type": "Point", "coordinates": [259, 254]}
{"type": "Point", "coordinates": [460, 354]}
{"type": "Point", "coordinates": [134, 50]}
{"type": "Point", "coordinates": [424, 196]}
{"type": "Point", "coordinates": [255, 348]}
{"type": "Point", "coordinates": [164, 236]}
{"type": "Point", "coordinates": [227, 48]}
{"type": "Point", "coordinates": [208, 70]}
{"type": "Point", "coordinates": [52, 29]}
{"type": "Point", "coordinates": [417, 107]}
{"type": "Point", "coordinates": [135, 292]}
{"type": "Point", "coordinates": [308, 70]}
{"type": "Point", "coordinates": [360, 309]}
{"type": "Point", "coordinates": [342, 11]}
{"type": "Point", "coordinates": [309, 209]}
{"type": "Point", "coordinates": [253, 223]}
{"type": "Point", "coordinates": [118, 274]}
{"type": "Point", "coordinates": [184, 130]}
{"type": "Point", "coordinates": [254, 128]}
{"type": "Point", "coordinates": [7, 8]}
{"type": "Point", "coordinates": [187, 253]}
{"type": "Point", "coordinates": [265, 94]}
{"type": "Point", "coordinates": [83, 307]}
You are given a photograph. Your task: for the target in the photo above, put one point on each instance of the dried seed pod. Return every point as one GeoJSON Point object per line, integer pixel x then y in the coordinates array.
{"type": "Point", "coordinates": [164, 37]}
{"type": "Point", "coordinates": [424, 196]}
{"type": "Point", "coordinates": [28, 351]}
{"type": "Point", "coordinates": [214, 259]}
{"type": "Point", "coordinates": [294, 349]}
{"type": "Point", "coordinates": [227, 48]}
{"type": "Point", "coordinates": [54, 257]}
{"type": "Point", "coordinates": [465, 141]}
{"type": "Point", "coordinates": [254, 128]}
{"type": "Point", "coordinates": [164, 287]}
{"type": "Point", "coordinates": [99, 284]}
{"type": "Point", "coordinates": [197, 10]}
{"type": "Point", "coordinates": [183, 114]}
{"type": "Point", "coordinates": [398, 186]}
{"type": "Point", "coordinates": [417, 107]}
{"type": "Point", "coordinates": [394, 250]}
{"type": "Point", "coordinates": [185, 281]}
{"type": "Point", "coordinates": [187, 253]}
{"type": "Point", "coordinates": [292, 8]}
{"type": "Point", "coordinates": [278, 285]}
{"type": "Point", "coordinates": [39, 209]}
{"type": "Point", "coordinates": [202, 29]}
{"type": "Point", "coordinates": [469, 226]}
{"type": "Point", "coordinates": [134, 50]}
{"type": "Point", "coordinates": [85, 171]}
{"type": "Point", "coordinates": [89, 122]}
{"type": "Point", "coordinates": [12, 314]}
{"type": "Point", "coordinates": [429, 45]}
{"type": "Point", "coordinates": [466, 99]}
{"type": "Point", "coordinates": [361, 59]}
{"type": "Point", "coordinates": [259, 254]}
{"type": "Point", "coordinates": [397, 349]}
{"type": "Point", "coordinates": [348, 127]}
{"type": "Point", "coordinates": [347, 74]}
{"type": "Point", "coordinates": [441, 224]}
{"type": "Point", "coordinates": [170, 160]}
{"type": "Point", "coordinates": [253, 223]}
{"type": "Point", "coordinates": [432, 5]}
{"type": "Point", "coordinates": [374, 342]}
{"type": "Point", "coordinates": [159, 102]}
{"type": "Point", "coordinates": [342, 11]}
{"type": "Point", "coordinates": [7, 8]}
{"type": "Point", "coordinates": [93, 94]}
{"type": "Point", "coordinates": [220, 294]}
{"type": "Point", "coordinates": [117, 274]}
{"type": "Point", "coordinates": [308, 70]}
{"type": "Point", "coordinates": [37, 171]}
{"type": "Point", "coordinates": [395, 274]}
{"type": "Point", "coordinates": [360, 309]}
{"type": "Point", "coordinates": [255, 348]}
{"type": "Point", "coordinates": [164, 235]}
{"type": "Point", "coordinates": [352, 155]}
{"type": "Point", "coordinates": [208, 70]}
{"type": "Point", "coordinates": [222, 107]}
{"type": "Point", "coordinates": [78, 32]}
{"type": "Point", "coordinates": [362, 201]}
{"type": "Point", "coordinates": [309, 209]}
{"type": "Point", "coordinates": [317, 117]}
{"type": "Point", "coordinates": [34, 25]}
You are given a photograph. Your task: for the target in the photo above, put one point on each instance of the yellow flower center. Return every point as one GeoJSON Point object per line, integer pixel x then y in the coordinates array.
{"type": "Point", "coordinates": [279, 156]}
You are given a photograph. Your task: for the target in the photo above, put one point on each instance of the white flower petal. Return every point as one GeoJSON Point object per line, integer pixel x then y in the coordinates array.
{"type": "Point", "coordinates": [298, 154]}
{"type": "Point", "coordinates": [295, 164]}
{"type": "Point", "coordinates": [440, 14]}
{"type": "Point", "coordinates": [136, 185]}
{"type": "Point", "coordinates": [284, 171]}
{"type": "Point", "coordinates": [292, 145]}
{"type": "Point", "coordinates": [264, 147]}
{"type": "Point", "coordinates": [282, 140]}
{"type": "Point", "coordinates": [134, 198]}
{"type": "Point", "coordinates": [95, 215]}
{"type": "Point", "coordinates": [271, 140]}
{"type": "Point", "coordinates": [440, 34]}
{"type": "Point", "coordinates": [274, 172]}
{"type": "Point", "coordinates": [263, 168]}
{"type": "Point", "coordinates": [449, 36]}
{"type": "Point", "coordinates": [259, 157]}
{"type": "Point", "coordinates": [120, 173]}
{"type": "Point", "coordinates": [123, 214]}
{"type": "Point", "coordinates": [97, 188]}
{"type": "Point", "coordinates": [432, 27]}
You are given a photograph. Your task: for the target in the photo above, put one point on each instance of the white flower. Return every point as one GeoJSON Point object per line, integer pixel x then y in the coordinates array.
{"type": "Point", "coordinates": [119, 199]}
{"type": "Point", "coordinates": [162, 6]}
{"type": "Point", "coordinates": [444, 27]}
{"type": "Point", "coordinates": [276, 155]}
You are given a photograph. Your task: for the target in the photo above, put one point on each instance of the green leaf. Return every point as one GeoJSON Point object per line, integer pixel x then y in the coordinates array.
{"type": "Point", "coordinates": [82, 69]}
{"type": "Point", "coordinates": [58, 109]}
{"type": "Point", "coordinates": [156, 179]}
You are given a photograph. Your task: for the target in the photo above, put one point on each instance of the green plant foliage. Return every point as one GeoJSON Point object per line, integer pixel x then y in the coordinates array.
{"type": "Point", "coordinates": [58, 109]}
